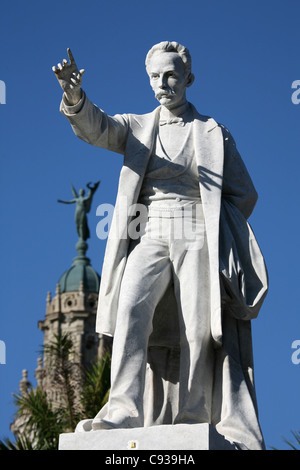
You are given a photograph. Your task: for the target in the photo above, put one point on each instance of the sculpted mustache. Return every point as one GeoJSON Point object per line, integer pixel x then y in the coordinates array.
{"type": "Point", "coordinates": [164, 93]}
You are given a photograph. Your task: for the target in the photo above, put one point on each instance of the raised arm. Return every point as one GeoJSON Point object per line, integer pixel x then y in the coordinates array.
{"type": "Point", "coordinates": [88, 122]}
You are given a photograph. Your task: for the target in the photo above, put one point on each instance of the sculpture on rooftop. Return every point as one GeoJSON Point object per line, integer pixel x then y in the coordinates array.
{"type": "Point", "coordinates": [83, 207]}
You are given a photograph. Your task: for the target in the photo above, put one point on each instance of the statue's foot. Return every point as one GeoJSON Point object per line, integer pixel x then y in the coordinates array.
{"type": "Point", "coordinates": [98, 424]}
{"type": "Point", "coordinates": [126, 423]}
{"type": "Point", "coordinates": [84, 426]}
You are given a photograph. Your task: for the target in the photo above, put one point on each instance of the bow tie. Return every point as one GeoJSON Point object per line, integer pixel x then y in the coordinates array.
{"type": "Point", "coordinates": [176, 120]}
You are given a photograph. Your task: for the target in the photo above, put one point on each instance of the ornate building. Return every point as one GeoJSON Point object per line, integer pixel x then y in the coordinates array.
{"type": "Point", "coordinates": [71, 310]}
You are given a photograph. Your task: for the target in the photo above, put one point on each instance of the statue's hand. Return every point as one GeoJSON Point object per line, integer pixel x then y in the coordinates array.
{"type": "Point", "coordinates": [70, 78]}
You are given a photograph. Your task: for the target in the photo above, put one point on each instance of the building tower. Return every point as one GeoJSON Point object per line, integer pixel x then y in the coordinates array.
{"type": "Point", "coordinates": [72, 310]}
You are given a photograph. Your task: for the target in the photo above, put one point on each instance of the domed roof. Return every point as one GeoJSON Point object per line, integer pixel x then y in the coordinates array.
{"type": "Point", "coordinates": [81, 270]}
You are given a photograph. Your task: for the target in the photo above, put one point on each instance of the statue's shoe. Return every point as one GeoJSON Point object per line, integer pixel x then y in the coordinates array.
{"type": "Point", "coordinates": [84, 426]}
{"type": "Point", "coordinates": [99, 424]}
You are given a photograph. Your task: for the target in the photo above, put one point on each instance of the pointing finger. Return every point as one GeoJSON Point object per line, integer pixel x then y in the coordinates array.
{"type": "Point", "coordinates": [72, 61]}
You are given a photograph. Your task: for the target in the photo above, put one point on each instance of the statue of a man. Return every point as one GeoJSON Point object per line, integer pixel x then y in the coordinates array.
{"type": "Point", "coordinates": [83, 207]}
{"type": "Point", "coordinates": [179, 306]}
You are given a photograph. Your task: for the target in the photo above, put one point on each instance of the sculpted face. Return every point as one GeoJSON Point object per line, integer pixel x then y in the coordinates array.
{"type": "Point", "coordinates": [168, 79]}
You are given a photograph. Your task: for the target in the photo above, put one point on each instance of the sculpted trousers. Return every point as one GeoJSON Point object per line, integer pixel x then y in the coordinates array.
{"type": "Point", "coordinates": [161, 256]}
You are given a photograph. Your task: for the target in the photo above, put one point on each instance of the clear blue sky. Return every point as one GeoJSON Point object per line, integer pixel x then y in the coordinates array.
{"type": "Point", "coordinates": [245, 58]}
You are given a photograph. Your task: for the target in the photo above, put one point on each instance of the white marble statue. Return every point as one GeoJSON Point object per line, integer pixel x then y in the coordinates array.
{"type": "Point", "coordinates": [178, 302]}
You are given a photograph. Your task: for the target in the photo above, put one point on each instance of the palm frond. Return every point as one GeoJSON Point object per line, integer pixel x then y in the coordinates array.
{"type": "Point", "coordinates": [70, 395]}
{"type": "Point", "coordinates": [96, 386]}
{"type": "Point", "coordinates": [20, 444]}
{"type": "Point", "coordinates": [296, 446]}
{"type": "Point", "coordinates": [293, 446]}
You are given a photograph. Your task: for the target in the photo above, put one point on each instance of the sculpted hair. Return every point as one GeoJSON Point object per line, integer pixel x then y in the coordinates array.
{"type": "Point", "coordinates": [173, 46]}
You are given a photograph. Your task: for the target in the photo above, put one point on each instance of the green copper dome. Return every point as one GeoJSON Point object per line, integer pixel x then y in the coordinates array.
{"type": "Point", "coordinates": [71, 279]}
{"type": "Point", "coordinates": [80, 271]}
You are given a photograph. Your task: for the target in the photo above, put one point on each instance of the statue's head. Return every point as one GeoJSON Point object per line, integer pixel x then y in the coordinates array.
{"type": "Point", "coordinates": [168, 65]}
{"type": "Point", "coordinates": [81, 192]}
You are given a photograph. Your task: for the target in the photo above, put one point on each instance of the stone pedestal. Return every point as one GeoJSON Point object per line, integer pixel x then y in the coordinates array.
{"type": "Point", "coordinates": [166, 437]}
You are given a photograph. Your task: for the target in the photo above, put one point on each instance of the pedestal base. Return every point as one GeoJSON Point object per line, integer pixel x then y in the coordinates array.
{"type": "Point", "coordinates": [165, 437]}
